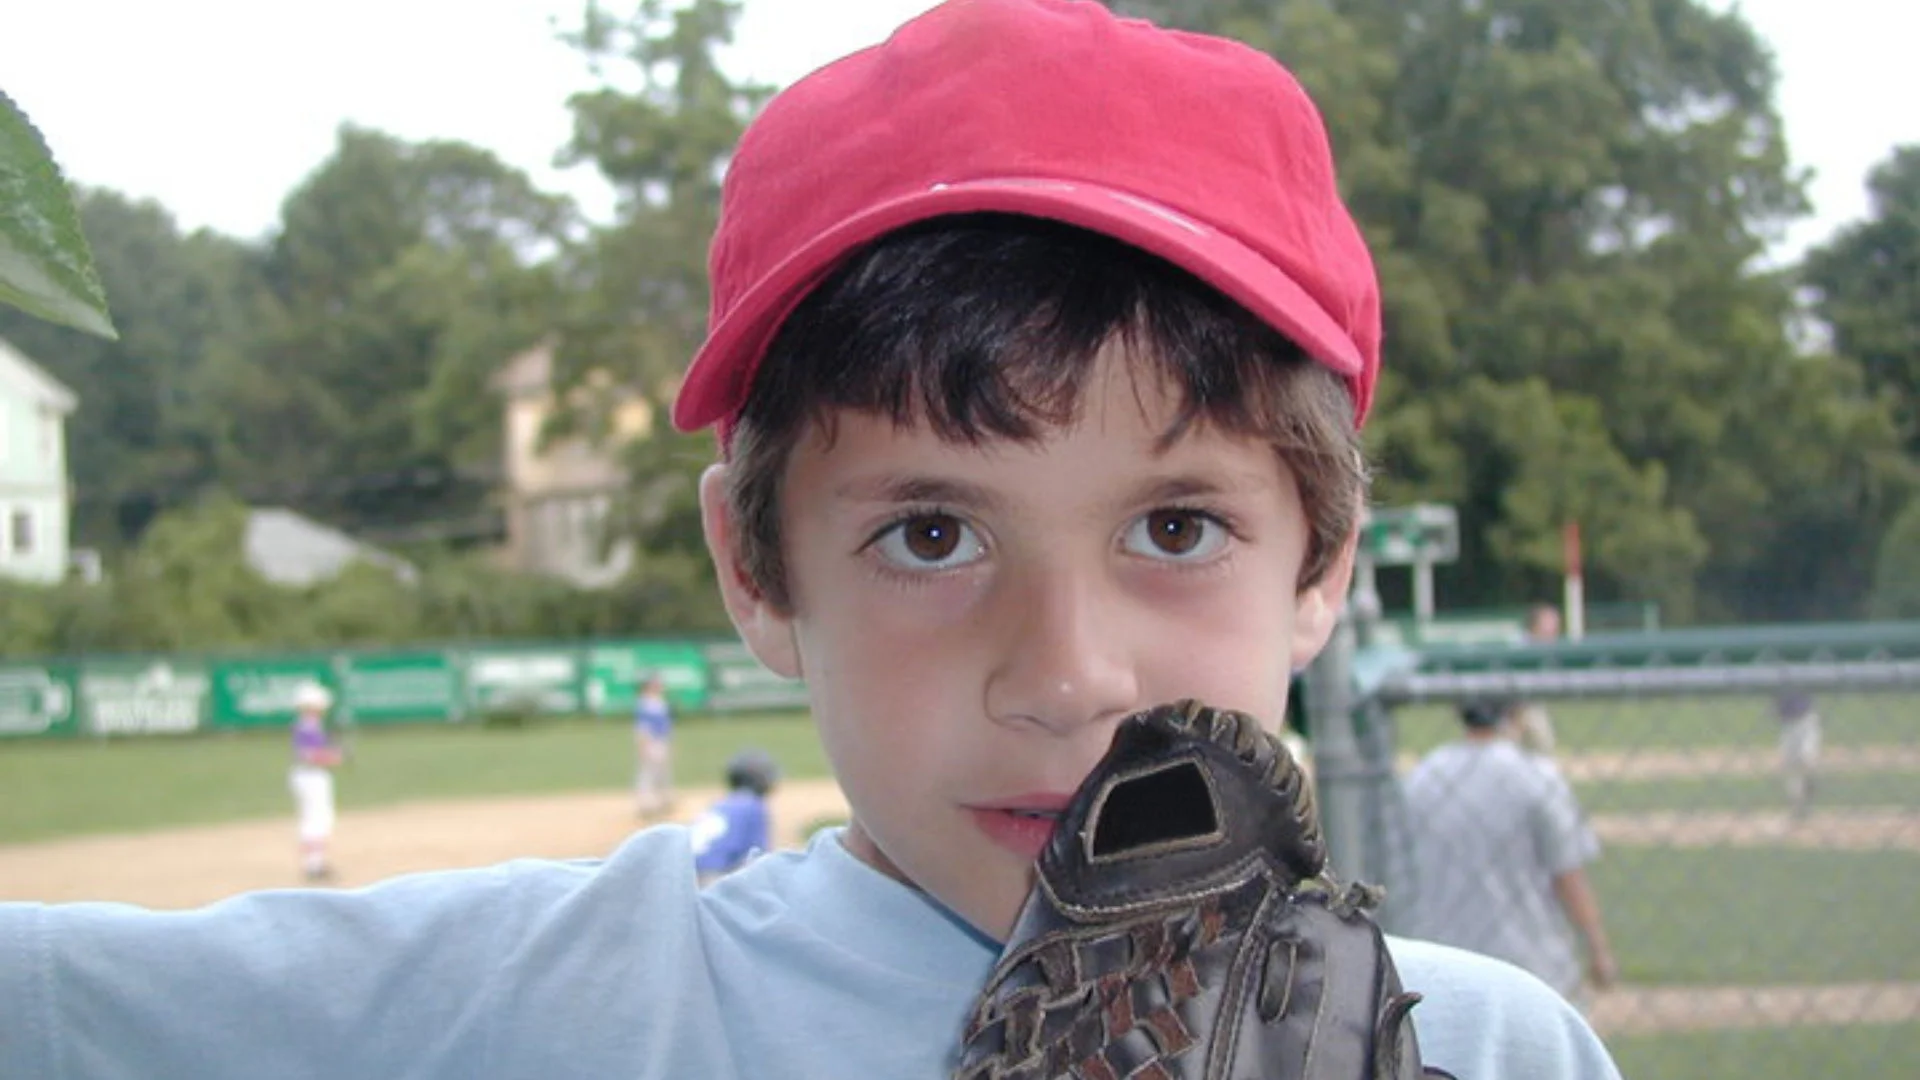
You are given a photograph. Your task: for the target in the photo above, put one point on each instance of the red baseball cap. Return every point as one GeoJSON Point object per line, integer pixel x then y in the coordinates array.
{"type": "Point", "coordinates": [1198, 149]}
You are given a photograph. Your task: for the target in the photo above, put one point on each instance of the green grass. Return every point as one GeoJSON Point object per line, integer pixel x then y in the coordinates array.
{"type": "Point", "coordinates": [1889, 789]}
{"type": "Point", "coordinates": [1736, 915]}
{"type": "Point", "coordinates": [57, 787]}
{"type": "Point", "coordinates": [1688, 723]}
{"type": "Point", "coordinates": [1802, 1053]}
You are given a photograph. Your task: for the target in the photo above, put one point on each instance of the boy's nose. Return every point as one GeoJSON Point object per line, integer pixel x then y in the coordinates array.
{"type": "Point", "coordinates": [1062, 662]}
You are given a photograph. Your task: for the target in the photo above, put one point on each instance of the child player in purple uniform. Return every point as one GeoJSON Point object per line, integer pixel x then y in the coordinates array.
{"type": "Point", "coordinates": [315, 756]}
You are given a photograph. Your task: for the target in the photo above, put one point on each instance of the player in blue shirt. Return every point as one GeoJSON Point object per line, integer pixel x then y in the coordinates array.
{"type": "Point", "coordinates": [652, 749]}
{"type": "Point", "coordinates": [736, 830]}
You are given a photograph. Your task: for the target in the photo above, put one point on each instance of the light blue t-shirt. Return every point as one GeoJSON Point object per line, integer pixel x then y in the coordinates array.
{"type": "Point", "coordinates": [803, 965]}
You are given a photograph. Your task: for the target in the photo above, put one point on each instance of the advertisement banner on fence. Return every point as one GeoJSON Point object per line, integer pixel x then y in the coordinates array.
{"type": "Point", "coordinates": [155, 697]}
{"type": "Point", "coordinates": [37, 700]}
{"type": "Point", "coordinates": [260, 693]}
{"type": "Point", "coordinates": [616, 668]}
{"type": "Point", "coordinates": [399, 687]}
{"type": "Point", "coordinates": [540, 680]}
{"type": "Point", "coordinates": [738, 681]}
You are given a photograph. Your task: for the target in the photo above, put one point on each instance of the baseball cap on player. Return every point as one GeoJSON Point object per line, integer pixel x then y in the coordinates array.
{"type": "Point", "coordinates": [311, 696]}
{"type": "Point", "coordinates": [1200, 150]}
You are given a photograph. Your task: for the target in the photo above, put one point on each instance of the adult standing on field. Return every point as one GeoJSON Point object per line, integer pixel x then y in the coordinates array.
{"type": "Point", "coordinates": [315, 756]}
{"type": "Point", "coordinates": [1502, 850]}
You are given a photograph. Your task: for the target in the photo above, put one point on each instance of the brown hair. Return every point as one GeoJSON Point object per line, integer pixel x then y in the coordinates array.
{"type": "Point", "coordinates": [984, 326]}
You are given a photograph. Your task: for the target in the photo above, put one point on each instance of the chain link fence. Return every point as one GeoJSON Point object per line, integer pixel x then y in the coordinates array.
{"type": "Point", "coordinates": [1757, 871]}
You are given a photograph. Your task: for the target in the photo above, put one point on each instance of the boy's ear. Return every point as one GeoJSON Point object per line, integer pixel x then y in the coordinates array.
{"type": "Point", "coordinates": [766, 630]}
{"type": "Point", "coordinates": [1317, 609]}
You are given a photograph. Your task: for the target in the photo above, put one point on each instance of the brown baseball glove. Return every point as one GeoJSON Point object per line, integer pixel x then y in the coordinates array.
{"type": "Point", "coordinates": [1184, 927]}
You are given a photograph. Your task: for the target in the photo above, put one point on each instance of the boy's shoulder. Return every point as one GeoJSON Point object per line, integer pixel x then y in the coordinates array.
{"type": "Point", "coordinates": [1479, 1016]}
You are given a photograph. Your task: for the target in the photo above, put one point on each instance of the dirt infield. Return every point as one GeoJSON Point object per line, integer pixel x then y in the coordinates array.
{"type": "Point", "coordinates": [1648, 1010]}
{"type": "Point", "coordinates": [1840, 829]}
{"type": "Point", "coordinates": [188, 867]}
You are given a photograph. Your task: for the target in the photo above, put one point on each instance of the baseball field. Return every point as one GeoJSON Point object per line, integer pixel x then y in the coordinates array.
{"type": "Point", "coordinates": [1752, 945]}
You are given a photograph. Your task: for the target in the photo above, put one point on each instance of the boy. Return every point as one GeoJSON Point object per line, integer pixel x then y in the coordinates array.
{"type": "Point", "coordinates": [734, 831]}
{"type": "Point", "coordinates": [1038, 347]}
{"type": "Point", "coordinates": [310, 778]}
{"type": "Point", "coordinates": [652, 749]}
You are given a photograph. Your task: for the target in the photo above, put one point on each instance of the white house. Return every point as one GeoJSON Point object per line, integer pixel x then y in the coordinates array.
{"type": "Point", "coordinates": [35, 496]}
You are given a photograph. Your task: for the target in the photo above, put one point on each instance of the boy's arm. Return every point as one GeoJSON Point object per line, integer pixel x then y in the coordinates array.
{"type": "Point", "coordinates": [323, 983]}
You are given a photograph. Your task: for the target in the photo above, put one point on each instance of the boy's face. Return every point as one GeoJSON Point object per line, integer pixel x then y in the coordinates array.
{"type": "Point", "coordinates": [972, 622]}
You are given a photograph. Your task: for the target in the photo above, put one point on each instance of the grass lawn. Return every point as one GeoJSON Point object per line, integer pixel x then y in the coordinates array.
{"type": "Point", "coordinates": [59, 787]}
{"type": "Point", "coordinates": [1801, 1053]}
{"type": "Point", "coordinates": [1858, 719]}
{"type": "Point", "coordinates": [1726, 915]}
{"type": "Point", "coordinates": [1888, 789]}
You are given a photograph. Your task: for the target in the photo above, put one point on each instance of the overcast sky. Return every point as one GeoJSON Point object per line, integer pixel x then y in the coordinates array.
{"type": "Point", "coordinates": [217, 108]}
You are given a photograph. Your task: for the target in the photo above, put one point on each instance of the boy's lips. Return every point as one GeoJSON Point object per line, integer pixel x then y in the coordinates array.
{"type": "Point", "coordinates": [1022, 824]}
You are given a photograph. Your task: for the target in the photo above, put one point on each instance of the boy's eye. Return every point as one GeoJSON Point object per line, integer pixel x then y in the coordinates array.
{"type": "Point", "coordinates": [1186, 535]}
{"type": "Point", "coordinates": [930, 541]}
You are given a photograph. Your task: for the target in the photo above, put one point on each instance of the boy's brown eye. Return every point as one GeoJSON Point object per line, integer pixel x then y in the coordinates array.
{"type": "Point", "coordinates": [932, 538]}
{"type": "Point", "coordinates": [1176, 532]}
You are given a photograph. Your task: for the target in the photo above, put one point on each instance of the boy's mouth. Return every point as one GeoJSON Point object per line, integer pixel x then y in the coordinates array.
{"type": "Point", "coordinates": [1024, 825]}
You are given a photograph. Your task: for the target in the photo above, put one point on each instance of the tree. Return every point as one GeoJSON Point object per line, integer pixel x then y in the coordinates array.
{"type": "Point", "coordinates": [1867, 287]}
{"type": "Point", "coordinates": [638, 290]}
{"type": "Point", "coordinates": [1896, 580]}
{"type": "Point", "coordinates": [404, 275]}
{"type": "Point", "coordinates": [1568, 203]}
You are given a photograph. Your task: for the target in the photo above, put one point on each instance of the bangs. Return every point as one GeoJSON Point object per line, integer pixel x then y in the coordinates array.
{"type": "Point", "coordinates": [977, 329]}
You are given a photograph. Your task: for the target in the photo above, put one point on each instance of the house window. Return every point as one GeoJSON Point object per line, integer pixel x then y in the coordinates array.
{"type": "Point", "coordinates": [21, 532]}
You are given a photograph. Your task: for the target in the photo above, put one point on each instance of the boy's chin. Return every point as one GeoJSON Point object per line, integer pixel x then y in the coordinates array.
{"type": "Point", "coordinates": [994, 910]}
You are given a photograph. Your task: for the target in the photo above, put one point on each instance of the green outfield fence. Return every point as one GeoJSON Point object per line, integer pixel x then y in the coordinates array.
{"type": "Point", "coordinates": [1757, 937]}
{"type": "Point", "coordinates": [180, 694]}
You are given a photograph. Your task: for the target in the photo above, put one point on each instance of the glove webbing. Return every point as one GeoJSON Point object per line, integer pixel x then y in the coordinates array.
{"type": "Point", "coordinates": [1145, 974]}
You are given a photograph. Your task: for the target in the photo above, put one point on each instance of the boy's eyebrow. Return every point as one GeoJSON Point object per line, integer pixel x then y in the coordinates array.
{"type": "Point", "coordinates": [917, 489]}
{"type": "Point", "coordinates": [950, 492]}
{"type": "Point", "coordinates": [1188, 485]}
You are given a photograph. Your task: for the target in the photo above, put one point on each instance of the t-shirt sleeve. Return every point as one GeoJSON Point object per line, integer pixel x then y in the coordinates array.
{"type": "Point", "coordinates": [1489, 1020]}
{"type": "Point", "coordinates": [1561, 836]}
{"type": "Point", "coordinates": [361, 981]}
{"type": "Point", "coordinates": [371, 982]}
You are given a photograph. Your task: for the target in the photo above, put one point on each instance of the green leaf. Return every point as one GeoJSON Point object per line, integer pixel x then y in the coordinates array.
{"type": "Point", "coordinates": [46, 268]}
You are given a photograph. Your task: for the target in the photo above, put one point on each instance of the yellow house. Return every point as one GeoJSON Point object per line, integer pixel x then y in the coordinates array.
{"type": "Point", "coordinates": [558, 497]}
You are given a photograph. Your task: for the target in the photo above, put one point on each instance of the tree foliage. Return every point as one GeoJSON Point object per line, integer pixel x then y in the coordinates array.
{"type": "Point", "coordinates": [1569, 203]}
{"type": "Point", "coordinates": [1867, 284]}
{"type": "Point", "coordinates": [185, 587]}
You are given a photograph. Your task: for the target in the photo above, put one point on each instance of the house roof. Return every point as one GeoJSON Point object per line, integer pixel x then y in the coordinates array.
{"type": "Point", "coordinates": [289, 549]}
{"type": "Point", "coordinates": [29, 378]}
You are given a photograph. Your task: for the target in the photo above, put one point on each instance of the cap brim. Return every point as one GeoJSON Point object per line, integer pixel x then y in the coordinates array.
{"type": "Point", "coordinates": [716, 382]}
